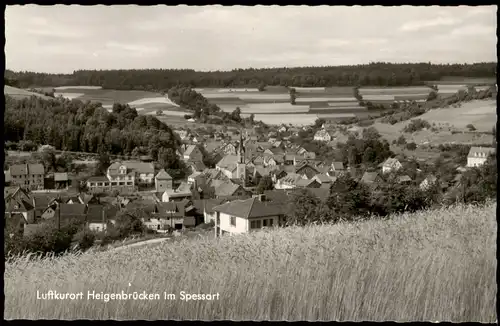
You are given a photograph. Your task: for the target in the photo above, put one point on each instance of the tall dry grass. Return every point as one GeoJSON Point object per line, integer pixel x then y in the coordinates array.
{"type": "Point", "coordinates": [428, 266]}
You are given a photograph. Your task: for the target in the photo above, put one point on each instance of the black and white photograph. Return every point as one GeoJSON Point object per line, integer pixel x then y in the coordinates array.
{"type": "Point", "coordinates": [250, 163]}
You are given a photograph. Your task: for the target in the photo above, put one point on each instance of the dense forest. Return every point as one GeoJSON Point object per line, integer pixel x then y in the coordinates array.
{"type": "Point", "coordinates": [73, 125]}
{"type": "Point", "coordinates": [374, 74]}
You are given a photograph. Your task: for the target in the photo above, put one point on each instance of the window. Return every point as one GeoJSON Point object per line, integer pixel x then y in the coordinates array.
{"type": "Point", "coordinates": [264, 222]}
{"type": "Point", "coordinates": [233, 220]}
{"type": "Point", "coordinates": [218, 219]}
{"type": "Point", "coordinates": [129, 183]}
{"type": "Point", "coordinates": [255, 224]}
{"type": "Point", "coordinates": [271, 222]}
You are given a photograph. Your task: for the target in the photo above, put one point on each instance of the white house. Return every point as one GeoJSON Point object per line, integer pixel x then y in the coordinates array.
{"type": "Point", "coordinates": [323, 135]}
{"type": "Point", "coordinates": [391, 164]}
{"type": "Point", "coordinates": [175, 195]}
{"type": "Point", "coordinates": [428, 182]}
{"type": "Point", "coordinates": [477, 156]}
{"type": "Point", "coordinates": [289, 181]}
{"type": "Point", "coordinates": [125, 174]}
{"type": "Point", "coordinates": [244, 216]}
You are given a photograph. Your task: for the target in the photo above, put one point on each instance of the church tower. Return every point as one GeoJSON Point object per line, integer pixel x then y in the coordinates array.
{"type": "Point", "coordinates": [241, 170]}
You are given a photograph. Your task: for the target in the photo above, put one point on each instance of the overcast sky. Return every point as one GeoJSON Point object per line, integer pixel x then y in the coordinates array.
{"type": "Point", "coordinates": [66, 38]}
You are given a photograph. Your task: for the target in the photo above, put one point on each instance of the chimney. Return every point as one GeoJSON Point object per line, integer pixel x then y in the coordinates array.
{"type": "Point", "coordinates": [261, 197]}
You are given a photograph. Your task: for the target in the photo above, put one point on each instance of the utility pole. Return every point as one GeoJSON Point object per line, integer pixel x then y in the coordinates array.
{"type": "Point", "coordinates": [59, 217]}
{"type": "Point", "coordinates": [103, 220]}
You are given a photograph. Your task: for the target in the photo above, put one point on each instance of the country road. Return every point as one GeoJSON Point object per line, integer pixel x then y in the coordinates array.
{"type": "Point", "coordinates": [142, 243]}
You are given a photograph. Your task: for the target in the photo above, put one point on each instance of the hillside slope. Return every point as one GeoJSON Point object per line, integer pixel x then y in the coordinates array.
{"type": "Point", "coordinates": [435, 265]}
{"type": "Point", "coordinates": [18, 93]}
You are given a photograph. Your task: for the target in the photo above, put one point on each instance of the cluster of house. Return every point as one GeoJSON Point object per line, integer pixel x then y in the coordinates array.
{"type": "Point", "coordinates": [223, 195]}
{"type": "Point", "coordinates": [34, 177]}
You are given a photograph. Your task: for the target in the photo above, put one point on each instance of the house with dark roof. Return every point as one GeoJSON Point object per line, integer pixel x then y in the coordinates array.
{"type": "Point", "coordinates": [307, 170]}
{"type": "Point", "coordinates": [371, 178]}
{"type": "Point", "coordinates": [71, 211]}
{"type": "Point", "coordinates": [243, 216]}
{"type": "Point", "coordinates": [29, 176]}
{"type": "Point", "coordinates": [171, 215]}
{"type": "Point", "coordinates": [229, 189]}
{"type": "Point", "coordinates": [209, 213]}
{"type": "Point", "coordinates": [337, 168]}
{"type": "Point", "coordinates": [289, 181]}
{"type": "Point", "coordinates": [99, 217]}
{"type": "Point", "coordinates": [308, 183]}
{"type": "Point", "coordinates": [324, 179]}
{"type": "Point", "coordinates": [163, 181]}
{"type": "Point", "coordinates": [18, 205]}
{"type": "Point", "coordinates": [61, 180]}
{"type": "Point", "coordinates": [193, 154]}
{"type": "Point", "coordinates": [196, 166]}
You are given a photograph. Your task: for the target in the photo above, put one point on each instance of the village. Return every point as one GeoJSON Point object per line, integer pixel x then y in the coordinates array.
{"type": "Point", "coordinates": [247, 189]}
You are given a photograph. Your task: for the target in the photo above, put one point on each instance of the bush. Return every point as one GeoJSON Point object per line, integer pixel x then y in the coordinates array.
{"type": "Point", "coordinates": [416, 125]}
{"type": "Point", "coordinates": [85, 239]}
{"type": "Point", "coordinates": [411, 146]}
{"type": "Point", "coordinates": [401, 140]}
{"type": "Point", "coordinates": [471, 127]}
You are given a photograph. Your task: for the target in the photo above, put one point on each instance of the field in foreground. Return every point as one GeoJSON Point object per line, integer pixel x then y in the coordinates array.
{"type": "Point", "coordinates": [428, 266]}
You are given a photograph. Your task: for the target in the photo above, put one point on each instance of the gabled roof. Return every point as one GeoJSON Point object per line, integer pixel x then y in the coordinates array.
{"type": "Point", "coordinates": [135, 166]}
{"type": "Point", "coordinates": [480, 151]}
{"type": "Point", "coordinates": [391, 163]}
{"type": "Point", "coordinates": [226, 189]}
{"type": "Point", "coordinates": [19, 169]}
{"type": "Point", "coordinates": [163, 175]}
{"type": "Point", "coordinates": [197, 165]}
{"type": "Point", "coordinates": [22, 205]}
{"type": "Point", "coordinates": [251, 208]}
{"type": "Point", "coordinates": [322, 133]}
{"type": "Point", "coordinates": [291, 178]}
{"type": "Point", "coordinates": [306, 183]}
{"type": "Point", "coordinates": [95, 213]}
{"type": "Point", "coordinates": [72, 209]}
{"type": "Point", "coordinates": [42, 200]}
{"type": "Point", "coordinates": [189, 150]}
{"type": "Point", "coordinates": [228, 161]}
{"type": "Point", "coordinates": [211, 203]}
{"type": "Point", "coordinates": [338, 166]}
{"type": "Point", "coordinates": [404, 178]}
{"type": "Point", "coordinates": [170, 209]}
{"type": "Point", "coordinates": [323, 178]}
{"type": "Point", "coordinates": [307, 164]}
{"type": "Point", "coordinates": [60, 176]}
{"type": "Point", "coordinates": [369, 177]}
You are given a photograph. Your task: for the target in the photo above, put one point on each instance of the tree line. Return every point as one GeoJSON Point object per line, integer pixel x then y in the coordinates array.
{"type": "Point", "coordinates": [373, 74]}
{"type": "Point", "coordinates": [72, 125]}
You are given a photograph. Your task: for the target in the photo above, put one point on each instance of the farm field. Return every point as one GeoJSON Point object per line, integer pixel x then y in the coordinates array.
{"type": "Point", "coordinates": [464, 80]}
{"type": "Point", "coordinates": [446, 260]}
{"type": "Point", "coordinates": [18, 93]}
{"type": "Point", "coordinates": [277, 119]}
{"type": "Point", "coordinates": [276, 100]}
{"type": "Point", "coordinates": [480, 113]}
{"type": "Point", "coordinates": [108, 97]}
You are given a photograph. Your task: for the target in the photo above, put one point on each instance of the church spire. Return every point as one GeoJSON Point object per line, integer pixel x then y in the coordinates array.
{"type": "Point", "coordinates": [241, 149]}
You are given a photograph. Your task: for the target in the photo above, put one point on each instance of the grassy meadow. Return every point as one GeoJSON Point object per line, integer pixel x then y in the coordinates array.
{"type": "Point", "coordinates": [428, 266]}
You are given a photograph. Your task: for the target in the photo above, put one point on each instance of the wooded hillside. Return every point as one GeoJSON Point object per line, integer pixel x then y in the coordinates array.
{"type": "Point", "coordinates": [374, 74]}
